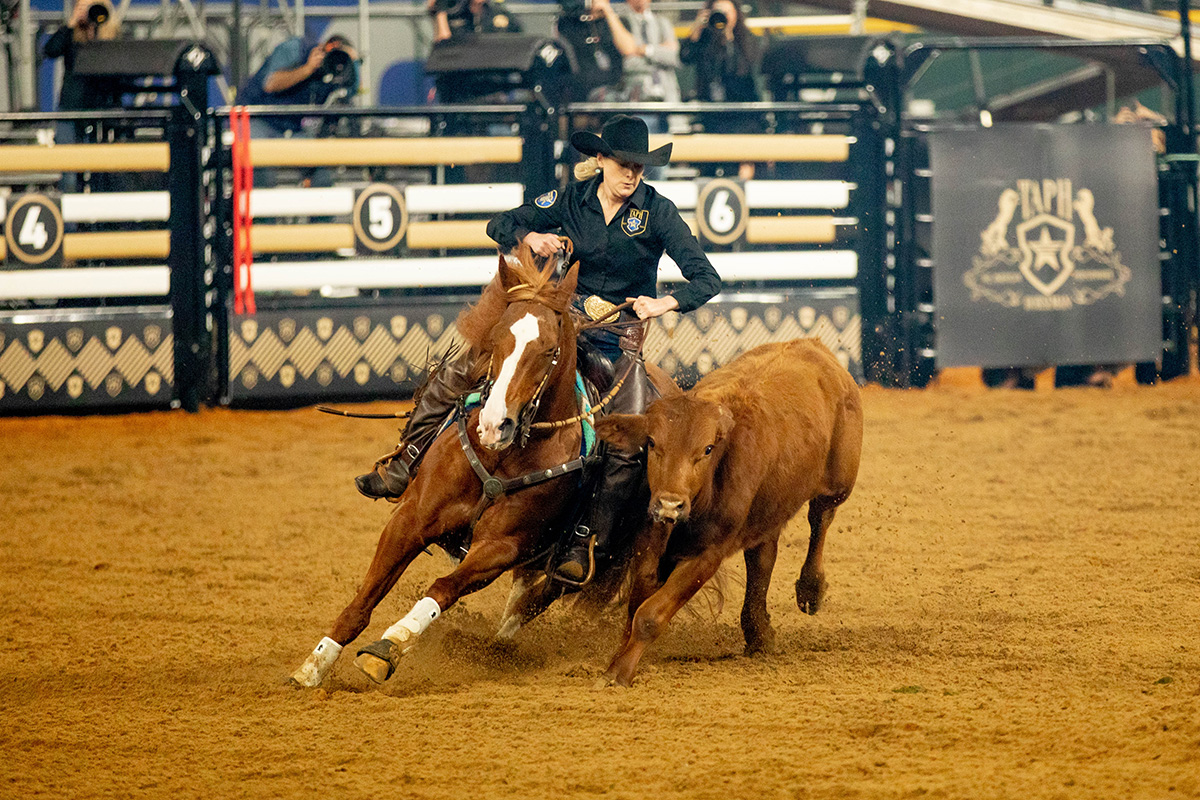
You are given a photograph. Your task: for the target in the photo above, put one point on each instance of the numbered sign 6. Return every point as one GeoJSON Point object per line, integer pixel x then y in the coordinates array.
{"type": "Point", "coordinates": [380, 218]}
{"type": "Point", "coordinates": [721, 213]}
{"type": "Point", "coordinates": [33, 232]}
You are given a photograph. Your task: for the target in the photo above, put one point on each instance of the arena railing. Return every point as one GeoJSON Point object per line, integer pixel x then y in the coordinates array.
{"type": "Point", "coordinates": [104, 260]}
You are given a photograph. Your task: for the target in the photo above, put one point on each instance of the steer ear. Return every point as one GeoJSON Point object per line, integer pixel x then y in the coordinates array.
{"type": "Point", "coordinates": [626, 432]}
{"type": "Point", "coordinates": [724, 422]}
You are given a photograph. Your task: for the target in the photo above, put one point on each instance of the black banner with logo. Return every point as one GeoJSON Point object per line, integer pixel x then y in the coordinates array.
{"type": "Point", "coordinates": [1045, 246]}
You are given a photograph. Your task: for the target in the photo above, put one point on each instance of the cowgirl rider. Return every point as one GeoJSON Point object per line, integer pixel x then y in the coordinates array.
{"type": "Point", "coordinates": [620, 227]}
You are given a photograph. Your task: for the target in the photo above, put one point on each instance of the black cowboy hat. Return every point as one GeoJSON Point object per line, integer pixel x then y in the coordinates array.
{"type": "Point", "coordinates": [624, 138]}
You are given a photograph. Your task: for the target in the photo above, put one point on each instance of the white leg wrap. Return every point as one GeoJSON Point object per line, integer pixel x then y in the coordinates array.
{"type": "Point", "coordinates": [415, 622]}
{"type": "Point", "coordinates": [317, 665]}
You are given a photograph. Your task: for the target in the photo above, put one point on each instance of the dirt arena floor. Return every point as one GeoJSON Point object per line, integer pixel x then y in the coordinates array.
{"type": "Point", "coordinates": [1013, 613]}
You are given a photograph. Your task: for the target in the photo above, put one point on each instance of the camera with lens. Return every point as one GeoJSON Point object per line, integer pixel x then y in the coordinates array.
{"type": "Point", "coordinates": [717, 21]}
{"type": "Point", "coordinates": [98, 14]}
{"type": "Point", "coordinates": [338, 66]}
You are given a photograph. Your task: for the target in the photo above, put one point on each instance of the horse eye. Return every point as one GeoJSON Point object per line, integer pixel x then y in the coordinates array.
{"type": "Point", "coordinates": [708, 450]}
{"type": "Point", "coordinates": [649, 443]}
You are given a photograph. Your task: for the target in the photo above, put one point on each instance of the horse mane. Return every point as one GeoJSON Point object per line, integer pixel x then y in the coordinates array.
{"type": "Point", "coordinates": [529, 281]}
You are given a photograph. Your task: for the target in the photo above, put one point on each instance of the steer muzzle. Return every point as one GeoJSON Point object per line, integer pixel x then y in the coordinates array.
{"type": "Point", "coordinates": [669, 508]}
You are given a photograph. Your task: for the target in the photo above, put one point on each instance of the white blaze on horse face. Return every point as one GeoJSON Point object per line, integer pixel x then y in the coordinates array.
{"type": "Point", "coordinates": [495, 410]}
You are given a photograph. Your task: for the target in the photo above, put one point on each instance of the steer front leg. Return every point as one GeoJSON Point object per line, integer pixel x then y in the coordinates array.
{"type": "Point", "coordinates": [656, 612]}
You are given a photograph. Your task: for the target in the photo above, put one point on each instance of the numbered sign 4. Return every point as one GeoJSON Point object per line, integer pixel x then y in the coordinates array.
{"type": "Point", "coordinates": [380, 218]}
{"type": "Point", "coordinates": [33, 232]}
{"type": "Point", "coordinates": [721, 212]}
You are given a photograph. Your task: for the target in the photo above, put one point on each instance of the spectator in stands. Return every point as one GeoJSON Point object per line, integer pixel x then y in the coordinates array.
{"type": "Point", "coordinates": [725, 55]}
{"type": "Point", "coordinates": [455, 18]}
{"type": "Point", "coordinates": [649, 50]}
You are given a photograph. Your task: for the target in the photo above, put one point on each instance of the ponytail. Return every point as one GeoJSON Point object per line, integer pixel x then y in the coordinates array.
{"type": "Point", "coordinates": [587, 168]}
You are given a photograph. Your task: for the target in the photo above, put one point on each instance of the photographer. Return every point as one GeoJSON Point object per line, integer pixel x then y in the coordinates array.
{"type": "Point", "coordinates": [454, 18]}
{"type": "Point", "coordinates": [91, 20]}
{"type": "Point", "coordinates": [298, 73]}
{"type": "Point", "coordinates": [649, 49]}
{"type": "Point", "coordinates": [725, 55]}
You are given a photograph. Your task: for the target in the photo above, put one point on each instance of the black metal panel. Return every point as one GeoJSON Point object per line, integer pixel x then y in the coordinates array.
{"type": "Point", "coordinates": [84, 359]}
{"type": "Point", "coordinates": [380, 351]}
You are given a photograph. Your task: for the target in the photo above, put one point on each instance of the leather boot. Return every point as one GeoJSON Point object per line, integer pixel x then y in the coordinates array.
{"type": "Point", "coordinates": [391, 475]}
{"type": "Point", "coordinates": [592, 541]}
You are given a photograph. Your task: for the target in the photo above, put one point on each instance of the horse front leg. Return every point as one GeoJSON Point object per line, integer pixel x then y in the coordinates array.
{"type": "Point", "coordinates": [486, 561]}
{"type": "Point", "coordinates": [400, 542]}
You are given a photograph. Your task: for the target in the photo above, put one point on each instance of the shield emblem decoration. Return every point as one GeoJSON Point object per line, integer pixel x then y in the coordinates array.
{"type": "Point", "coordinates": [362, 373]}
{"type": "Point", "coordinates": [74, 386]}
{"type": "Point", "coordinates": [112, 337]}
{"type": "Point", "coordinates": [153, 382]}
{"type": "Point", "coordinates": [36, 340]}
{"type": "Point", "coordinates": [113, 384]}
{"type": "Point", "coordinates": [152, 335]}
{"type": "Point", "coordinates": [635, 222]}
{"type": "Point", "coordinates": [1048, 255]}
{"type": "Point", "coordinates": [399, 325]}
{"type": "Point", "coordinates": [324, 327]}
{"type": "Point", "coordinates": [75, 339]}
{"type": "Point", "coordinates": [287, 328]}
{"type": "Point", "coordinates": [249, 329]}
{"type": "Point", "coordinates": [287, 376]}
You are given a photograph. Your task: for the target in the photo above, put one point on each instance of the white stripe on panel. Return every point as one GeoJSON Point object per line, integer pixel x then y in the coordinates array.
{"type": "Point", "coordinates": [798, 194]}
{"type": "Point", "coordinates": [31, 284]}
{"type": "Point", "coordinates": [465, 198]}
{"type": "Point", "coordinates": [774, 266]}
{"type": "Point", "coordinates": [301, 202]}
{"type": "Point", "coordinates": [116, 207]}
{"type": "Point", "coordinates": [682, 193]}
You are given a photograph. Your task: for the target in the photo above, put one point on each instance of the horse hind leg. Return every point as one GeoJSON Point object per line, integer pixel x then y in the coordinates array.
{"type": "Point", "coordinates": [532, 593]}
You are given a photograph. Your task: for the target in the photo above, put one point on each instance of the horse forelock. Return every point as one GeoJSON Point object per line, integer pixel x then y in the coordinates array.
{"type": "Point", "coordinates": [530, 283]}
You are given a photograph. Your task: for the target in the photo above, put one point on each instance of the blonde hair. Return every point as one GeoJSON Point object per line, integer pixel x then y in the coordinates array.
{"type": "Point", "coordinates": [587, 168]}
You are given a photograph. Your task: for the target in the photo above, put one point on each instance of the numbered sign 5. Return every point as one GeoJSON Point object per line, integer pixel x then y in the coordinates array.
{"type": "Point", "coordinates": [721, 213]}
{"type": "Point", "coordinates": [33, 231]}
{"type": "Point", "coordinates": [380, 218]}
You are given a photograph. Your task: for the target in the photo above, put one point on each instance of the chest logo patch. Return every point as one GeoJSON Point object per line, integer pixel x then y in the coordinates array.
{"type": "Point", "coordinates": [635, 221]}
{"type": "Point", "coordinates": [546, 200]}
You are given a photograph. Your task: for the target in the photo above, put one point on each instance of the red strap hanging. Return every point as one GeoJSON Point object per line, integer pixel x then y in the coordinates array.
{"type": "Point", "coordinates": [243, 184]}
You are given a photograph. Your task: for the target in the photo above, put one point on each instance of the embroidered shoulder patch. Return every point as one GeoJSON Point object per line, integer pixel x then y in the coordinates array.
{"type": "Point", "coordinates": [546, 200]}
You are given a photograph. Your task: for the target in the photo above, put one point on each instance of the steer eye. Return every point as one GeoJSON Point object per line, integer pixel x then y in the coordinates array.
{"type": "Point", "coordinates": [649, 443]}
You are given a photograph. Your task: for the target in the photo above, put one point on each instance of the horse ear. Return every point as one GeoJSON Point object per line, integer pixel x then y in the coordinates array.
{"type": "Point", "coordinates": [508, 278]}
{"type": "Point", "coordinates": [626, 432]}
{"type": "Point", "coordinates": [571, 279]}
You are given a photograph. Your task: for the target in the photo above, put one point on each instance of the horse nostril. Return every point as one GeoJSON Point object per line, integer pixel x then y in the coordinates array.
{"type": "Point", "coordinates": [507, 428]}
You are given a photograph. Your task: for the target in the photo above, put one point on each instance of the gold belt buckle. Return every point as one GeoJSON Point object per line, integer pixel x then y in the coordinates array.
{"type": "Point", "coordinates": [599, 309]}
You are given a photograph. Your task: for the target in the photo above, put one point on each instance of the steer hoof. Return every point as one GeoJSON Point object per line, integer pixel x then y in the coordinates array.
{"type": "Point", "coordinates": [810, 591]}
{"type": "Point", "coordinates": [378, 660]}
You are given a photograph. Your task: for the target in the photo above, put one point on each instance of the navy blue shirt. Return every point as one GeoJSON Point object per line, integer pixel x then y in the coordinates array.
{"type": "Point", "coordinates": [620, 259]}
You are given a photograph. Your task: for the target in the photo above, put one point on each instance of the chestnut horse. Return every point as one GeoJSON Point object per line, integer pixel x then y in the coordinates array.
{"type": "Point", "coordinates": [490, 482]}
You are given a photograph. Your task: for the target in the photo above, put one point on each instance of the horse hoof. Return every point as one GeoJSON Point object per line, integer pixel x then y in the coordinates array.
{"type": "Point", "coordinates": [810, 592]}
{"type": "Point", "coordinates": [604, 682]}
{"type": "Point", "coordinates": [378, 660]}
